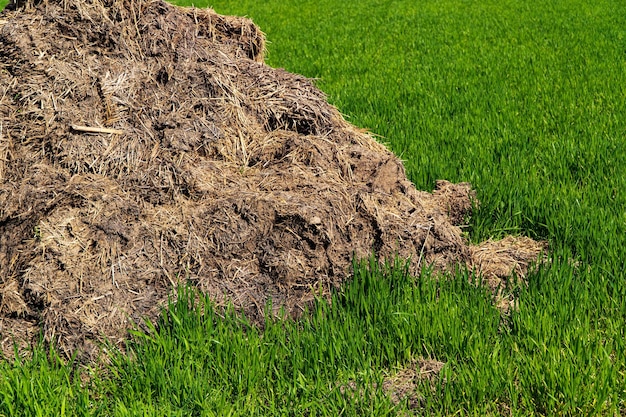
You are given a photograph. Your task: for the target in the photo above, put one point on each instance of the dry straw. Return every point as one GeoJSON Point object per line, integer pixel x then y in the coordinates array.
{"type": "Point", "coordinates": [143, 145]}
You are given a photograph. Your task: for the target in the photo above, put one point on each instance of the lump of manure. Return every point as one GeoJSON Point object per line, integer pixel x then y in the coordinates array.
{"type": "Point", "coordinates": [143, 145]}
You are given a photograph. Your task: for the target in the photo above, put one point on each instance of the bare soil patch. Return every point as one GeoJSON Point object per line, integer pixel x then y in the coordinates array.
{"type": "Point", "coordinates": [143, 145]}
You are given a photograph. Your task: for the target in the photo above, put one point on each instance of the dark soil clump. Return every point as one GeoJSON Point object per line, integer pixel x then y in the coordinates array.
{"type": "Point", "coordinates": [143, 145]}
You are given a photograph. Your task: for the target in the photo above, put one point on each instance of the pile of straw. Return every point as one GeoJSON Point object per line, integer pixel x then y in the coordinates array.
{"type": "Point", "coordinates": [144, 145]}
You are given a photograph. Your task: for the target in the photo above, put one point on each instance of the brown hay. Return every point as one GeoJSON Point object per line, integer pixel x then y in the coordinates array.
{"type": "Point", "coordinates": [403, 383]}
{"type": "Point", "coordinates": [499, 260]}
{"type": "Point", "coordinates": [144, 145]}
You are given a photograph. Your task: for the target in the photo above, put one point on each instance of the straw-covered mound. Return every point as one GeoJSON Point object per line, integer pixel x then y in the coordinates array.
{"type": "Point", "coordinates": [144, 145]}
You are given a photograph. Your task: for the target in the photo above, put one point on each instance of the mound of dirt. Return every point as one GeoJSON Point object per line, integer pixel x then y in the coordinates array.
{"type": "Point", "coordinates": [143, 145]}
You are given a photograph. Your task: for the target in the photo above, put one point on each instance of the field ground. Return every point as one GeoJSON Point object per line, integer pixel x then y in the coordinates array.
{"type": "Point", "coordinates": [525, 100]}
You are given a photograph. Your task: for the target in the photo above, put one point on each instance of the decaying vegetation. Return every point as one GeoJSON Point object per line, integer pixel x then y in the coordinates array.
{"type": "Point", "coordinates": [144, 145]}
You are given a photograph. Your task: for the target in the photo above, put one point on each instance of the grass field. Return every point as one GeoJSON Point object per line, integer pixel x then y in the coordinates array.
{"type": "Point", "coordinates": [524, 99]}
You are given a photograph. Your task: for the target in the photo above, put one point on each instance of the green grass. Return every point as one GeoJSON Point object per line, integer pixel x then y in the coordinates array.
{"type": "Point", "coordinates": [527, 101]}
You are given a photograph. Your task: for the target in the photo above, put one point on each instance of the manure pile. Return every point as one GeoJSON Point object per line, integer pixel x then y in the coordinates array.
{"type": "Point", "coordinates": [144, 145]}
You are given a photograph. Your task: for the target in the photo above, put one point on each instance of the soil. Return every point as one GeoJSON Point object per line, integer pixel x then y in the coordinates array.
{"type": "Point", "coordinates": [144, 145]}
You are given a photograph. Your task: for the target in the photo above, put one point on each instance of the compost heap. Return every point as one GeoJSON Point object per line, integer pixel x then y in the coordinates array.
{"type": "Point", "coordinates": [143, 145]}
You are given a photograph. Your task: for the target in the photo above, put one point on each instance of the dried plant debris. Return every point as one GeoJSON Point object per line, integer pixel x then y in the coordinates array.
{"type": "Point", "coordinates": [498, 260]}
{"type": "Point", "coordinates": [403, 384]}
{"type": "Point", "coordinates": [144, 145]}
